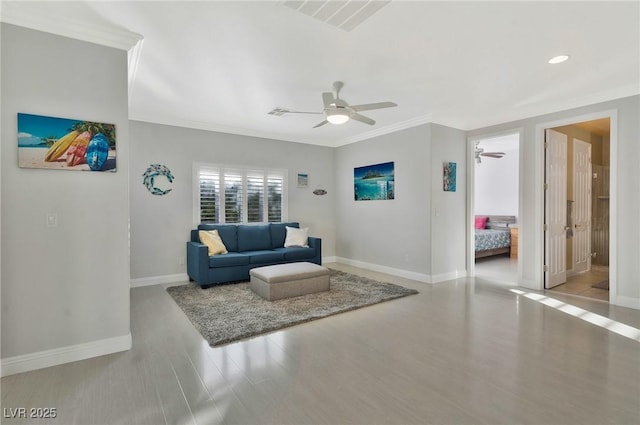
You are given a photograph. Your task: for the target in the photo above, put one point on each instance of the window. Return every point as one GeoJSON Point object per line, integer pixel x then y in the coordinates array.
{"type": "Point", "coordinates": [238, 195]}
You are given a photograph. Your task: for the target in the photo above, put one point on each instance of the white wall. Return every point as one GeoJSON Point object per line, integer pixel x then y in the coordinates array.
{"type": "Point", "coordinates": [496, 181]}
{"type": "Point", "coordinates": [160, 225]}
{"type": "Point", "coordinates": [64, 287]}
{"type": "Point", "coordinates": [448, 222]}
{"type": "Point", "coordinates": [627, 174]}
{"type": "Point", "coordinates": [400, 236]}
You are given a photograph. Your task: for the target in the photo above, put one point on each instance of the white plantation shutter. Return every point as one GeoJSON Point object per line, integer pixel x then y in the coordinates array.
{"type": "Point", "coordinates": [234, 195]}
{"type": "Point", "coordinates": [255, 196]}
{"type": "Point", "coordinates": [209, 181]}
{"type": "Point", "coordinates": [275, 183]}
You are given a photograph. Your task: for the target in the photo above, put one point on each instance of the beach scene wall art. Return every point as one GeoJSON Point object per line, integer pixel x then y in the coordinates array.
{"type": "Point", "coordinates": [65, 144]}
{"type": "Point", "coordinates": [449, 177]}
{"type": "Point", "coordinates": [374, 182]}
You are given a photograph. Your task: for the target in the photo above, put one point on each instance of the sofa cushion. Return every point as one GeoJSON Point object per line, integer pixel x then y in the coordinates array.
{"type": "Point", "coordinates": [212, 240]}
{"type": "Point", "coordinates": [228, 260]}
{"type": "Point", "coordinates": [265, 256]}
{"type": "Point", "coordinates": [298, 253]}
{"type": "Point", "coordinates": [228, 233]}
{"type": "Point", "coordinates": [279, 233]}
{"type": "Point", "coordinates": [253, 238]}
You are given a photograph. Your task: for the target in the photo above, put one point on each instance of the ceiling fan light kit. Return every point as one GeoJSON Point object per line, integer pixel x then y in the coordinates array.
{"type": "Point", "coordinates": [558, 59]}
{"type": "Point", "coordinates": [336, 117]}
{"type": "Point", "coordinates": [337, 111]}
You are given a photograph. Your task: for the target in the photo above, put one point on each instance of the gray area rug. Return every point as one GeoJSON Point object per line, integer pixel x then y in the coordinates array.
{"type": "Point", "coordinates": [226, 313]}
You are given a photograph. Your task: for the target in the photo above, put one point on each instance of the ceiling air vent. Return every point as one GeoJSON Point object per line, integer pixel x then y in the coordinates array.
{"type": "Point", "coordinates": [344, 14]}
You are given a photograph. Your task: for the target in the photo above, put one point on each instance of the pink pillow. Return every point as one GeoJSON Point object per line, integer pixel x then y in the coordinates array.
{"type": "Point", "coordinates": [481, 222]}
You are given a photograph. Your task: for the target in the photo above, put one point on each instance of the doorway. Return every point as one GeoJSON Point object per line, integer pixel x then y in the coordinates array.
{"type": "Point", "coordinates": [577, 188]}
{"type": "Point", "coordinates": [495, 207]}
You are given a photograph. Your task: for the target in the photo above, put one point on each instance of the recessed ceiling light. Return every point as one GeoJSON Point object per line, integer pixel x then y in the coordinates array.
{"type": "Point", "coordinates": [558, 59]}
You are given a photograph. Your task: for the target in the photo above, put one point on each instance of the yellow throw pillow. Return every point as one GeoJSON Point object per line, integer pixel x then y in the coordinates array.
{"type": "Point", "coordinates": [212, 240]}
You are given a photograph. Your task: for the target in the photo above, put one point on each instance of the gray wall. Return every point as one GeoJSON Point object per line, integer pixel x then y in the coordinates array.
{"type": "Point", "coordinates": [448, 225]}
{"type": "Point", "coordinates": [66, 285]}
{"type": "Point", "coordinates": [160, 224]}
{"type": "Point", "coordinates": [411, 234]}
{"type": "Point", "coordinates": [628, 205]}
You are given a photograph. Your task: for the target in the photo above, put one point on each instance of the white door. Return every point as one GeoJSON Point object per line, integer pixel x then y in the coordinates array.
{"type": "Point", "coordinates": [581, 206]}
{"type": "Point", "coordinates": [555, 245]}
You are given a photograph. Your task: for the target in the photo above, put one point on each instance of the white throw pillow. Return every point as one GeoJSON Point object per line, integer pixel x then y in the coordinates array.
{"type": "Point", "coordinates": [212, 240]}
{"type": "Point", "coordinates": [297, 237]}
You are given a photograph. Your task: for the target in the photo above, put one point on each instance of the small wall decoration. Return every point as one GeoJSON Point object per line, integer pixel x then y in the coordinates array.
{"type": "Point", "coordinates": [449, 177]}
{"type": "Point", "coordinates": [149, 178]}
{"type": "Point", "coordinates": [65, 144]}
{"type": "Point", "coordinates": [319, 191]}
{"type": "Point", "coordinates": [303, 180]}
{"type": "Point", "coordinates": [374, 182]}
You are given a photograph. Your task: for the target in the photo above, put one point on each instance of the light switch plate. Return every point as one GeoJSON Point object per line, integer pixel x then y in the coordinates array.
{"type": "Point", "coordinates": [52, 220]}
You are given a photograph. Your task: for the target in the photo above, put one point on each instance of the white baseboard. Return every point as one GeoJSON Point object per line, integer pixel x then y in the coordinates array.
{"type": "Point", "coordinates": [57, 356]}
{"type": "Point", "coordinates": [333, 259]}
{"type": "Point", "coordinates": [531, 284]}
{"type": "Point", "coordinates": [442, 277]}
{"type": "Point", "coordinates": [158, 280]}
{"type": "Point", "coordinates": [626, 302]}
{"type": "Point", "coordinates": [384, 269]}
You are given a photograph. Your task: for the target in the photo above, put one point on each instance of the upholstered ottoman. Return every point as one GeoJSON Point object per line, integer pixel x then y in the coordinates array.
{"type": "Point", "coordinates": [288, 280]}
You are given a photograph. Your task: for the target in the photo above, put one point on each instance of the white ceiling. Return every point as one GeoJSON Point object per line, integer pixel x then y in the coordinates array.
{"type": "Point", "coordinates": [224, 65]}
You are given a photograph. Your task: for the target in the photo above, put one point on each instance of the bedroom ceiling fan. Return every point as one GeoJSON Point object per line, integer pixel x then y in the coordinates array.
{"type": "Point", "coordinates": [338, 111]}
{"type": "Point", "coordinates": [479, 153]}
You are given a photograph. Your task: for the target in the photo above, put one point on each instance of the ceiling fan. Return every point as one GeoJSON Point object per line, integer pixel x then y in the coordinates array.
{"type": "Point", "coordinates": [338, 111]}
{"type": "Point", "coordinates": [479, 153]}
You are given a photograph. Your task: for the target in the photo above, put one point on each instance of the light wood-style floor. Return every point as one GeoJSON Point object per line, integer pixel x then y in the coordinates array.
{"type": "Point", "coordinates": [502, 268]}
{"type": "Point", "coordinates": [467, 351]}
{"type": "Point", "coordinates": [581, 284]}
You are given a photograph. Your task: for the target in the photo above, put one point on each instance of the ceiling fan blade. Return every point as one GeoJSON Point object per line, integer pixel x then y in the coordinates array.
{"type": "Point", "coordinates": [371, 106]}
{"type": "Point", "coordinates": [362, 118]}
{"type": "Point", "coordinates": [328, 99]}
{"type": "Point", "coordinates": [321, 124]}
{"type": "Point", "coordinates": [493, 154]}
{"type": "Point", "coordinates": [278, 112]}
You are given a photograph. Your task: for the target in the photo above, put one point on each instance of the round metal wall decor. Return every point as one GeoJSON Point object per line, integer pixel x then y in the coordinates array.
{"type": "Point", "coordinates": [149, 178]}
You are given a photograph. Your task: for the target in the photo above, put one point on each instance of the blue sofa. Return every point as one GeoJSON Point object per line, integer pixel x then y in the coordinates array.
{"type": "Point", "coordinates": [249, 246]}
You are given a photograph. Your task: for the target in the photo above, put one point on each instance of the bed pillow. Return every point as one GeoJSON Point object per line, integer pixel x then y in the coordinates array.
{"type": "Point", "coordinates": [481, 222]}
{"type": "Point", "coordinates": [212, 240]}
{"type": "Point", "coordinates": [297, 237]}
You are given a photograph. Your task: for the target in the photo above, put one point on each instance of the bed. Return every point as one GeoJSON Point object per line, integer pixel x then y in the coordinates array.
{"type": "Point", "coordinates": [492, 235]}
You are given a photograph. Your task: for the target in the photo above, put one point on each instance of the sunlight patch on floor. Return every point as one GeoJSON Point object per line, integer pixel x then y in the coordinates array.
{"type": "Point", "coordinates": [593, 318]}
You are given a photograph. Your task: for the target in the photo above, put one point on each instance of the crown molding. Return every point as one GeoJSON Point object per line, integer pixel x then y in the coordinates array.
{"type": "Point", "coordinates": [227, 129]}
{"type": "Point", "coordinates": [207, 126]}
{"type": "Point", "coordinates": [99, 34]}
{"type": "Point", "coordinates": [413, 122]}
{"type": "Point", "coordinates": [133, 59]}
